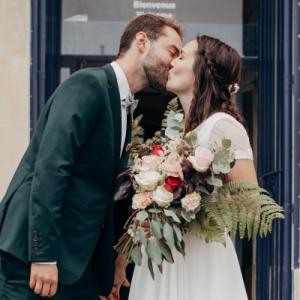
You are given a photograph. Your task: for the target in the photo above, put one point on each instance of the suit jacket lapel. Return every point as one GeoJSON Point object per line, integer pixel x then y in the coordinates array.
{"type": "Point", "coordinates": [115, 103]}
{"type": "Point", "coordinates": [125, 153]}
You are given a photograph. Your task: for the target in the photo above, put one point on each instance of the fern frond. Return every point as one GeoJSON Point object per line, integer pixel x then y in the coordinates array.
{"type": "Point", "coordinates": [243, 221]}
{"type": "Point", "coordinates": [239, 206]}
{"type": "Point", "coordinates": [234, 210]}
{"type": "Point", "coordinates": [256, 224]}
{"type": "Point", "coordinates": [250, 221]}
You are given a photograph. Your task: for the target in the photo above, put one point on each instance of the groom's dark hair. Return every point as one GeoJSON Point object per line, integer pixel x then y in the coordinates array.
{"type": "Point", "coordinates": [152, 25]}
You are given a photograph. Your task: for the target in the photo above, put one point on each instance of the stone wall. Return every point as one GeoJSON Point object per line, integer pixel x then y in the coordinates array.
{"type": "Point", "coordinates": [14, 86]}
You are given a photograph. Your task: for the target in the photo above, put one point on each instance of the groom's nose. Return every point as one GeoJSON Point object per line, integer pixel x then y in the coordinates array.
{"type": "Point", "coordinates": [172, 63]}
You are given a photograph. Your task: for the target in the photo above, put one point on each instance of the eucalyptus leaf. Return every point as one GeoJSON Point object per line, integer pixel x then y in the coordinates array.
{"type": "Point", "coordinates": [142, 215]}
{"type": "Point", "coordinates": [153, 210]}
{"type": "Point", "coordinates": [142, 236]}
{"type": "Point", "coordinates": [186, 215]}
{"type": "Point", "coordinates": [172, 214]}
{"type": "Point", "coordinates": [221, 168]}
{"type": "Point", "coordinates": [226, 143]}
{"type": "Point", "coordinates": [201, 188]}
{"type": "Point", "coordinates": [166, 252]}
{"type": "Point", "coordinates": [155, 227]}
{"type": "Point", "coordinates": [136, 255]}
{"type": "Point", "coordinates": [192, 138]}
{"type": "Point", "coordinates": [172, 132]}
{"type": "Point", "coordinates": [153, 251]}
{"type": "Point", "coordinates": [180, 247]}
{"type": "Point", "coordinates": [160, 268]}
{"type": "Point", "coordinates": [214, 181]}
{"type": "Point", "coordinates": [150, 266]}
{"type": "Point", "coordinates": [178, 233]}
{"type": "Point", "coordinates": [169, 234]}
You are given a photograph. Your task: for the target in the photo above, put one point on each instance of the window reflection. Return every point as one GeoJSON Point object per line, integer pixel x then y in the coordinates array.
{"type": "Point", "coordinates": [93, 27]}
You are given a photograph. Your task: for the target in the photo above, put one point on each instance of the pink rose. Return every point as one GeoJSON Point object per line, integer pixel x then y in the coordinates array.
{"type": "Point", "coordinates": [172, 167]}
{"type": "Point", "coordinates": [191, 201]}
{"type": "Point", "coordinates": [142, 200]}
{"type": "Point", "coordinates": [147, 163]}
{"type": "Point", "coordinates": [202, 159]}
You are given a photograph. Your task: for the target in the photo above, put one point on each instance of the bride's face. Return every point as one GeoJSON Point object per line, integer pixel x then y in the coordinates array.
{"type": "Point", "coordinates": [181, 76]}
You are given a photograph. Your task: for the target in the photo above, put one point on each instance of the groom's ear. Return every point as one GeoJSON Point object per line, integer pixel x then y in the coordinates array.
{"type": "Point", "coordinates": [142, 42]}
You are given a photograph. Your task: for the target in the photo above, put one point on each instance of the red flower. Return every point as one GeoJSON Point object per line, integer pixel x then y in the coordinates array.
{"type": "Point", "coordinates": [156, 150]}
{"type": "Point", "coordinates": [172, 184]}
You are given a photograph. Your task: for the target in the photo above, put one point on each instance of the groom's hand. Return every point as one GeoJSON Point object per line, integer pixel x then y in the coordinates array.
{"type": "Point", "coordinates": [44, 279]}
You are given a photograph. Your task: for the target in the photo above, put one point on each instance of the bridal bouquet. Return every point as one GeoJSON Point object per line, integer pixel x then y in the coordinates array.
{"type": "Point", "coordinates": [177, 186]}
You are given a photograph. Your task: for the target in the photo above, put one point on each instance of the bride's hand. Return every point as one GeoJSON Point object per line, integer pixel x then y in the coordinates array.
{"type": "Point", "coordinates": [120, 277]}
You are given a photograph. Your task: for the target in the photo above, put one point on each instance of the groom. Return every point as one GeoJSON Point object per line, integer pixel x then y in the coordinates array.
{"type": "Point", "coordinates": [56, 231]}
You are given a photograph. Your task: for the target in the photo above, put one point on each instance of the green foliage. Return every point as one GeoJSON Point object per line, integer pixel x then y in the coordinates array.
{"type": "Point", "coordinates": [173, 106]}
{"type": "Point", "coordinates": [156, 229]}
{"type": "Point", "coordinates": [136, 255]}
{"type": "Point", "coordinates": [223, 158]}
{"type": "Point", "coordinates": [153, 251]}
{"type": "Point", "coordinates": [238, 206]}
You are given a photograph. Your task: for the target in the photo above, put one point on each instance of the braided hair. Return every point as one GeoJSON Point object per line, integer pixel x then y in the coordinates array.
{"type": "Point", "coordinates": [217, 68]}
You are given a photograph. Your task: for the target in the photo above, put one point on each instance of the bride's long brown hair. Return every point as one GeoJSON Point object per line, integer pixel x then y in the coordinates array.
{"type": "Point", "coordinates": [216, 67]}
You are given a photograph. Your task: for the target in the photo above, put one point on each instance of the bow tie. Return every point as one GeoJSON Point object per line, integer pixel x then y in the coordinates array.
{"type": "Point", "coordinates": [130, 103]}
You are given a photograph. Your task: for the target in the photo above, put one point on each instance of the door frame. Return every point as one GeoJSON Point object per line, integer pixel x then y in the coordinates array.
{"type": "Point", "coordinates": [274, 266]}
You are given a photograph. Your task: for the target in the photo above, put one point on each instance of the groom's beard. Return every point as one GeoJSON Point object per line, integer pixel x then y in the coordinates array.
{"type": "Point", "coordinates": [156, 71]}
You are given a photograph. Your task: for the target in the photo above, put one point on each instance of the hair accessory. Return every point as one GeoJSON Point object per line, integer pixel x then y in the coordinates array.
{"type": "Point", "coordinates": [233, 88]}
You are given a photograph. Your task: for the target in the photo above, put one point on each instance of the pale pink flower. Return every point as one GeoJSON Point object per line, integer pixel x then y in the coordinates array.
{"type": "Point", "coordinates": [142, 200]}
{"type": "Point", "coordinates": [172, 167]}
{"type": "Point", "coordinates": [202, 159]}
{"type": "Point", "coordinates": [147, 163]}
{"type": "Point", "coordinates": [191, 201]}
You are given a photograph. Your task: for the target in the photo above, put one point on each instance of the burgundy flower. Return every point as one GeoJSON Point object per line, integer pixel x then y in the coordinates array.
{"type": "Point", "coordinates": [124, 191]}
{"type": "Point", "coordinates": [190, 188]}
{"type": "Point", "coordinates": [187, 168]}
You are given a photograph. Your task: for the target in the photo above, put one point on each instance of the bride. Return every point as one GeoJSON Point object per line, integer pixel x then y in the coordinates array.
{"type": "Point", "coordinates": [204, 77]}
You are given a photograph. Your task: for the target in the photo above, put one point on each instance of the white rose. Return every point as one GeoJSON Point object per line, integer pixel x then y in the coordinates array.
{"type": "Point", "coordinates": [191, 201]}
{"type": "Point", "coordinates": [162, 197]}
{"type": "Point", "coordinates": [142, 200]}
{"type": "Point", "coordinates": [148, 180]}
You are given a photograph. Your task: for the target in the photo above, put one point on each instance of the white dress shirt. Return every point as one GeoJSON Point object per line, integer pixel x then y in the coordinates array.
{"type": "Point", "coordinates": [124, 90]}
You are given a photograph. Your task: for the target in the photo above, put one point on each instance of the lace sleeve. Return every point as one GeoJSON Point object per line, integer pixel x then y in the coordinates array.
{"type": "Point", "coordinates": [231, 129]}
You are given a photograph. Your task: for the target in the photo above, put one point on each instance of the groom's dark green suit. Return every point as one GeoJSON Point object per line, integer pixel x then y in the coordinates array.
{"type": "Point", "coordinates": [58, 206]}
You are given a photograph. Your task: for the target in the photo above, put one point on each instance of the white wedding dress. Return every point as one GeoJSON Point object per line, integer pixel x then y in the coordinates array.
{"type": "Point", "coordinates": [209, 271]}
